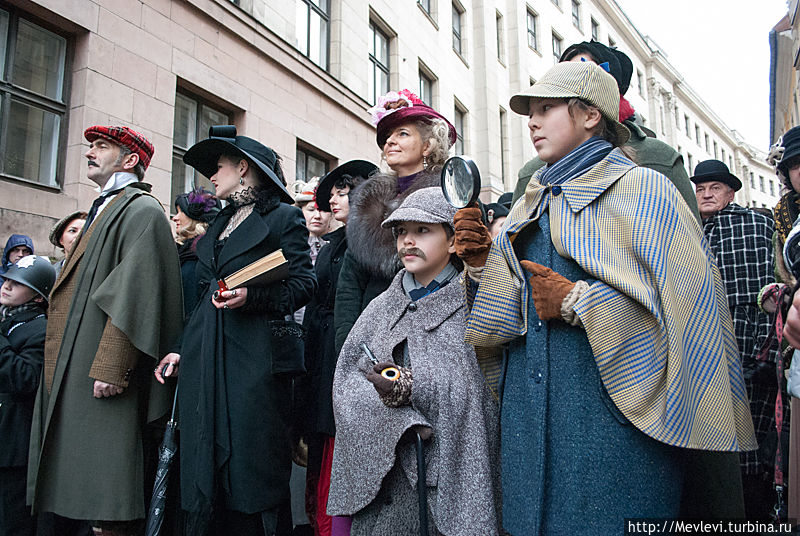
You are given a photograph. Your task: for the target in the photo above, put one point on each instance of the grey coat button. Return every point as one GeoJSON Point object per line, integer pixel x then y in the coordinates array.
{"type": "Point", "coordinates": [412, 307]}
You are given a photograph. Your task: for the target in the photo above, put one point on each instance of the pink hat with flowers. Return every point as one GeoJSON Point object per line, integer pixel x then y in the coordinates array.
{"type": "Point", "coordinates": [399, 107]}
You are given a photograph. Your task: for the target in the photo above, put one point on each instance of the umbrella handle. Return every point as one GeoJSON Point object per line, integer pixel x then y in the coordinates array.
{"type": "Point", "coordinates": [422, 486]}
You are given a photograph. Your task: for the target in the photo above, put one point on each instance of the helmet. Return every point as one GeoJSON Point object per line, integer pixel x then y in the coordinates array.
{"type": "Point", "coordinates": [35, 272]}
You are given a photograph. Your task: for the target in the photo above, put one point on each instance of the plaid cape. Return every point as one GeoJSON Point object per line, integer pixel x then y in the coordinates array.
{"type": "Point", "coordinates": [656, 319]}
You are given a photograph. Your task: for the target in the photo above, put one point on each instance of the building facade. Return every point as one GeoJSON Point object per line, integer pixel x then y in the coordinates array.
{"type": "Point", "coordinates": [300, 75]}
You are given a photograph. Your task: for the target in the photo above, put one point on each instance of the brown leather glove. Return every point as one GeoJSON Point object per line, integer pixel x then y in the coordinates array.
{"type": "Point", "coordinates": [472, 238]}
{"type": "Point", "coordinates": [548, 290]}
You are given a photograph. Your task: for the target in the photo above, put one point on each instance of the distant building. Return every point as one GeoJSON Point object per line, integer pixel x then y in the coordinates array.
{"type": "Point", "coordinates": [299, 75]}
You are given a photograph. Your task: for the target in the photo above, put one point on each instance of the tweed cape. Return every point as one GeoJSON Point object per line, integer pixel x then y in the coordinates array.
{"type": "Point", "coordinates": [656, 319]}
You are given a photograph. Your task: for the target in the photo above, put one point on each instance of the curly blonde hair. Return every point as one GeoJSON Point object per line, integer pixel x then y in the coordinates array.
{"type": "Point", "coordinates": [436, 133]}
{"type": "Point", "coordinates": [195, 228]}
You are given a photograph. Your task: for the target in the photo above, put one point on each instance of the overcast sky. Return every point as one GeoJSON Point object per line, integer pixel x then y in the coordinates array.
{"type": "Point", "coordinates": [721, 47]}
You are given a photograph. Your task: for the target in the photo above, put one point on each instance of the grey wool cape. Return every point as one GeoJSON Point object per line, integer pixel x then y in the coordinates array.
{"type": "Point", "coordinates": [86, 459]}
{"type": "Point", "coordinates": [449, 394]}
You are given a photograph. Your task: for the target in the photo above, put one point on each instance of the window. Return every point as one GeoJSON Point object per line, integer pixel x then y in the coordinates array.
{"type": "Point", "coordinates": [557, 47]}
{"type": "Point", "coordinates": [309, 165]}
{"type": "Point", "coordinates": [730, 164]}
{"type": "Point", "coordinates": [686, 123]}
{"type": "Point", "coordinates": [499, 25]}
{"type": "Point", "coordinates": [752, 182]}
{"type": "Point", "coordinates": [723, 159]}
{"type": "Point", "coordinates": [771, 187]}
{"type": "Point", "coordinates": [595, 30]}
{"type": "Point", "coordinates": [425, 5]}
{"type": "Point", "coordinates": [690, 163]}
{"type": "Point", "coordinates": [662, 119]}
{"type": "Point", "coordinates": [640, 82]}
{"type": "Point", "coordinates": [193, 117]}
{"type": "Point", "coordinates": [457, 13]}
{"type": "Point", "coordinates": [708, 143]}
{"type": "Point", "coordinates": [697, 133]}
{"type": "Point", "coordinates": [313, 29]}
{"type": "Point", "coordinates": [459, 118]}
{"type": "Point", "coordinates": [426, 87]}
{"type": "Point", "coordinates": [716, 150]}
{"type": "Point", "coordinates": [379, 58]}
{"type": "Point", "coordinates": [760, 182]}
{"type": "Point", "coordinates": [32, 104]}
{"type": "Point", "coordinates": [677, 118]}
{"type": "Point", "coordinates": [532, 30]}
{"type": "Point", "coordinates": [576, 13]}
{"type": "Point", "coordinates": [503, 145]}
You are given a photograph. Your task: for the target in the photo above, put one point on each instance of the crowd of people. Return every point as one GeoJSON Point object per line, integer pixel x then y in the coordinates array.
{"type": "Point", "coordinates": [601, 345]}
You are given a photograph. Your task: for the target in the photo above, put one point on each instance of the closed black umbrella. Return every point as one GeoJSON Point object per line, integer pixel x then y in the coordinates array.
{"type": "Point", "coordinates": [166, 452]}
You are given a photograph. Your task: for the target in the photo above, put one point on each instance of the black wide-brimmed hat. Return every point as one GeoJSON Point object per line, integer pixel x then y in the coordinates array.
{"type": "Point", "coordinates": [354, 168]}
{"type": "Point", "coordinates": [715, 170]}
{"type": "Point", "coordinates": [222, 139]}
{"type": "Point", "coordinates": [619, 64]}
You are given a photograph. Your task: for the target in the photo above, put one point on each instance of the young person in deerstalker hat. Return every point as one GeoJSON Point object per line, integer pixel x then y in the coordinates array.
{"type": "Point", "coordinates": [114, 311]}
{"type": "Point", "coordinates": [646, 151]}
{"type": "Point", "coordinates": [415, 141]}
{"type": "Point", "coordinates": [235, 385]}
{"type": "Point", "coordinates": [314, 391]}
{"type": "Point", "coordinates": [741, 240]}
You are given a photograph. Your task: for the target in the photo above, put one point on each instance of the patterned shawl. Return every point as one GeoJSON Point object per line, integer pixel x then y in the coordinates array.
{"type": "Point", "coordinates": [657, 318]}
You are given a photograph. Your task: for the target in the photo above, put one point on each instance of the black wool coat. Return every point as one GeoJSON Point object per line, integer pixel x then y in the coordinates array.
{"type": "Point", "coordinates": [234, 410]}
{"type": "Point", "coordinates": [316, 387]}
{"type": "Point", "coordinates": [21, 357]}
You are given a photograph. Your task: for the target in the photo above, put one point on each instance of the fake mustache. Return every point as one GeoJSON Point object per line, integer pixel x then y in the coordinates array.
{"type": "Point", "coordinates": [92, 163]}
{"type": "Point", "coordinates": [411, 251]}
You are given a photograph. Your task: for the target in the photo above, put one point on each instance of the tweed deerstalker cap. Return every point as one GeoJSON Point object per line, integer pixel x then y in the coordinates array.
{"type": "Point", "coordinates": [426, 205]}
{"type": "Point", "coordinates": [125, 137]}
{"type": "Point", "coordinates": [583, 80]}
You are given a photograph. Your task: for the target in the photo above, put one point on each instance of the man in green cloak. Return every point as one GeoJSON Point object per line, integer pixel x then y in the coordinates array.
{"type": "Point", "coordinates": [116, 308]}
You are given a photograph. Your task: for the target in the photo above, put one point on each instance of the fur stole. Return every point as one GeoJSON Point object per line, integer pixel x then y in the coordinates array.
{"type": "Point", "coordinates": [373, 247]}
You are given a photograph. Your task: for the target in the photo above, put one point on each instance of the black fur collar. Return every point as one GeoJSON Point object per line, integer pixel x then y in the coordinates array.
{"type": "Point", "coordinates": [370, 203]}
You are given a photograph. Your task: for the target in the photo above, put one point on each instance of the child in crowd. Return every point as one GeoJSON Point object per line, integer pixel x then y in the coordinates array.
{"type": "Point", "coordinates": [23, 305]}
{"type": "Point", "coordinates": [416, 327]}
{"type": "Point", "coordinates": [621, 352]}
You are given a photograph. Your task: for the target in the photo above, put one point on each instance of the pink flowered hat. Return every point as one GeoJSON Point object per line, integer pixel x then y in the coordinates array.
{"type": "Point", "coordinates": [399, 107]}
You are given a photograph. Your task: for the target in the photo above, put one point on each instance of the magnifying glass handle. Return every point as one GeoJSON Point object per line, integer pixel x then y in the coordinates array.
{"type": "Point", "coordinates": [368, 352]}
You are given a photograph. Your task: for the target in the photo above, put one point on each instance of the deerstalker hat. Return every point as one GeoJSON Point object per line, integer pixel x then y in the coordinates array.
{"type": "Point", "coordinates": [582, 80]}
{"type": "Point", "coordinates": [426, 205]}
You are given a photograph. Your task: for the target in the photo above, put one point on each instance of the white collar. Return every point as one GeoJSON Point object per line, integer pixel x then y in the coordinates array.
{"type": "Point", "coordinates": [118, 180]}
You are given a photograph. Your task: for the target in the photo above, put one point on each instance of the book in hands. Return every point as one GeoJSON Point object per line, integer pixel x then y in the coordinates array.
{"type": "Point", "coordinates": [264, 271]}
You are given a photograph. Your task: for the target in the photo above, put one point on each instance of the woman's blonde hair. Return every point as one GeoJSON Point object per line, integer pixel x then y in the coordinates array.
{"type": "Point", "coordinates": [195, 228]}
{"type": "Point", "coordinates": [436, 133]}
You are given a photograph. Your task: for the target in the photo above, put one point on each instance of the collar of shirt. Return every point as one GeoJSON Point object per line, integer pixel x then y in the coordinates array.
{"type": "Point", "coordinates": [118, 180]}
{"type": "Point", "coordinates": [444, 277]}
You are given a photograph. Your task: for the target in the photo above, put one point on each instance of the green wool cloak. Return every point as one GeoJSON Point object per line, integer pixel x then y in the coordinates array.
{"type": "Point", "coordinates": [86, 457]}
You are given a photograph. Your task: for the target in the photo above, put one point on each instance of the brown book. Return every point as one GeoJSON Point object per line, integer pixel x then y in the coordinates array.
{"type": "Point", "coordinates": [265, 270]}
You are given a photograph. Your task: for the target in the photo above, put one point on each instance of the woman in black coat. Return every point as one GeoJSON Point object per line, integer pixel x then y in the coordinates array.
{"type": "Point", "coordinates": [315, 389]}
{"type": "Point", "coordinates": [235, 385]}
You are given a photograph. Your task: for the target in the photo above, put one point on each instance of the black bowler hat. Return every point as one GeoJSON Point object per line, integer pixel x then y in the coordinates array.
{"type": "Point", "coordinates": [222, 139]}
{"type": "Point", "coordinates": [619, 64]}
{"type": "Point", "coordinates": [715, 170]}
{"type": "Point", "coordinates": [354, 168]}
{"type": "Point", "coordinates": [791, 148]}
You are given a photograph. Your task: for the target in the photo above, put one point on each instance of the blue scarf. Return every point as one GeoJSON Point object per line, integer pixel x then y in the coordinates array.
{"type": "Point", "coordinates": [577, 162]}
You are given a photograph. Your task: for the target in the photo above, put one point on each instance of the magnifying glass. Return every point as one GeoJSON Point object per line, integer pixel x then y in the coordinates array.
{"type": "Point", "coordinates": [461, 181]}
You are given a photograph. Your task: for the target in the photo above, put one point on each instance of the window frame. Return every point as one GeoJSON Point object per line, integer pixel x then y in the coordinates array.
{"type": "Point", "coordinates": [458, 36]}
{"type": "Point", "coordinates": [556, 38]}
{"type": "Point", "coordinates": [10, 91]}
{"type": "Point", "coordinates": [326, 17]}
{"type": "Point", "coordinates": [424, 74]}
{"type": "Point", "coordinates": [309, 150]}
{"type": "Point", "coordinates": [576, 14]}
{"type": "Point", "coordinates": [376, 64]}
{"type": "Point", "coordinates": [499, 24]}
{"type": "Point", "coordinates": [531, 15]}
{"type": "Point", "coordinates": [460, 112]}
{"type": "Point", "coordinates": [595, 29]}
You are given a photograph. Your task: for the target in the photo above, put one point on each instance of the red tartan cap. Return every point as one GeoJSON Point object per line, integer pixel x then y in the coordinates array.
{"type": "Point", "coordinates": [125, 137]}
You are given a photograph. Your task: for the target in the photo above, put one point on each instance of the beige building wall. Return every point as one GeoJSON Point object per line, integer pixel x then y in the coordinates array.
{"type": "Point", "coordinates": [127, 60]}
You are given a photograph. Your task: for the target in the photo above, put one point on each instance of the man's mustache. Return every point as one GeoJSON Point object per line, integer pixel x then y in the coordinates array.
{"type": "Point", "coordinates": [92, 163]}
{"type": "Point", "coordinates": [411, 251]}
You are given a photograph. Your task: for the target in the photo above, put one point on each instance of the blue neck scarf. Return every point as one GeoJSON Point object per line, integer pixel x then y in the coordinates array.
{"type": "Point", "coordinates": [576, 162]}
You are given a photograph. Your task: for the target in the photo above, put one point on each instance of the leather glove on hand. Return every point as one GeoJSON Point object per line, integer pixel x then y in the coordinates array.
{"type": "Point", "coordinates": [393, 393]}
{"type": "Point", "coordinates": [472, 239]}
{"type": "Point", "coordinates": [548, 290]}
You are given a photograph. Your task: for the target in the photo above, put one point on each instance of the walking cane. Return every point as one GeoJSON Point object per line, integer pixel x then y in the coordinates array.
{"type": "Point", "coordinates": [422, 487]}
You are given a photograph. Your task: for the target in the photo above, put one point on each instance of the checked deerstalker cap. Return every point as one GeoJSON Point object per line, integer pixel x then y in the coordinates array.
{"type": "Point", "coordinates": [125, 137]}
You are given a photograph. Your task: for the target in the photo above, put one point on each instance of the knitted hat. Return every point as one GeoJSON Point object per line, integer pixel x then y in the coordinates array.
{"type": "Point", "coordinates": [426, 205]}
{"type": "Point", "coordinates": [398, 108]}
{"type": "Point", "coordinates": [124, 136]}
{"type": "Point", "coordinates": [58, 229]}
{"type": "Point", "coordinates": [583, 80]}
{"type": "Point", "coordinates": [715, 170]}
